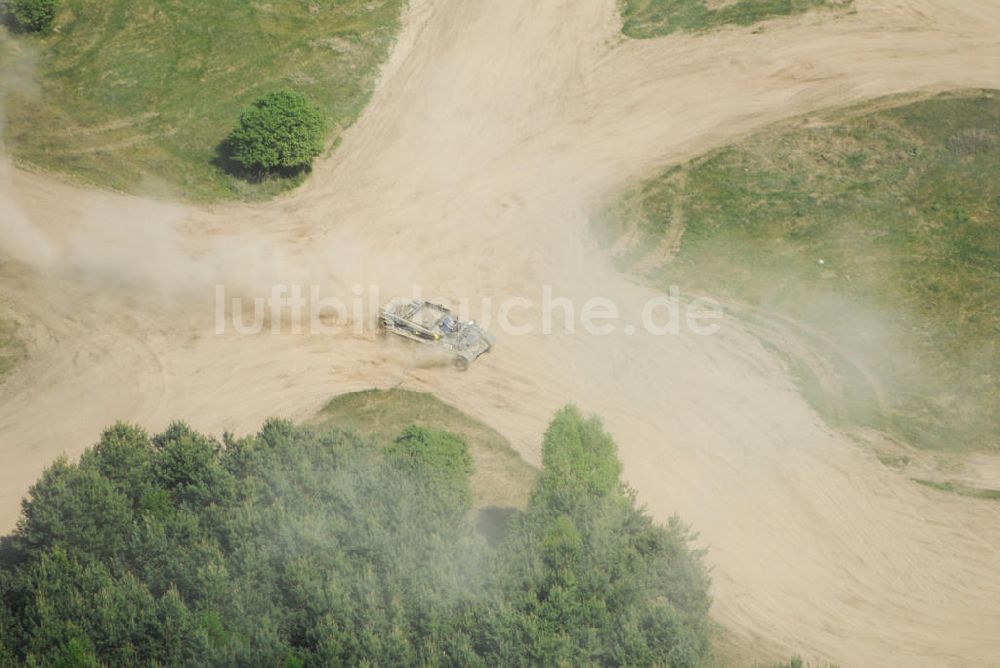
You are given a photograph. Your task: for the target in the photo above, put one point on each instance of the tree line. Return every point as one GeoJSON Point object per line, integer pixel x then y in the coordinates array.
{"type": "Point", "coordinates": [306, 546]}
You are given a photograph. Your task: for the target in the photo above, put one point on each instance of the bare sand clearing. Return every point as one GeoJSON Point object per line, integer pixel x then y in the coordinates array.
{"type": "Point", "coordinates": [497, 128]}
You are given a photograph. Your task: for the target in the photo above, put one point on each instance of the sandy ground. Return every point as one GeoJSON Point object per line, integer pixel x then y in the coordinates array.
{"type": "Point", "coordinates": [497, 128]}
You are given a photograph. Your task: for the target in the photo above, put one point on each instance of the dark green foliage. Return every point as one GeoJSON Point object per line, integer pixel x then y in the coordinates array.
{"type": "Point", "coordinates": [439, 458]}
{"type": "Point", "coordinates": [282, 131]}
{"type": "Point", "coordinates": [122, 456]}
{"type": "Point", "coordinates": [580, 463]}
{"type": "Point", "coordinates": [35, 15]}
{"type": "Point", "coordinates": [308, 547]}
{"type": "Point", "coordinates": [589, 578]}
{"type": "Point", "coordinates": [186, 464]}
{"type": "Point", "coordinates": [77, 509]}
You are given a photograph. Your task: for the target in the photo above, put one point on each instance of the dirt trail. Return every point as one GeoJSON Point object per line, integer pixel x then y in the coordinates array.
{"type": "Point", "coordinates": [497, 127]}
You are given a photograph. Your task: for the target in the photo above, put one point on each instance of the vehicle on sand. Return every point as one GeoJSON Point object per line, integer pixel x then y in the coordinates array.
{"type": "Point", "coordinates": [435, 325]}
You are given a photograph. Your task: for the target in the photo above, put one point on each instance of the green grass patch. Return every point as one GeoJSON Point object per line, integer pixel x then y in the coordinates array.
{"type": "Point", "coordinates": [501, 479]}
{"type": "Point", "coordinates": [138, 95]}
{"type": "Point", "coordinates": [12, 349]}
{"type": "Point", "coordinates": [960, 489]}
{"type": "Point", "coordinates": [878, 230]}
{"type": "Point", "coordinates": [655, 18]}
{"type": "Point", "coordinates": [894, 461]}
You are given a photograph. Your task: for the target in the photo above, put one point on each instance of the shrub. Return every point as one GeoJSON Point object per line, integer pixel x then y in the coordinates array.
{"type": "Point", "coordinates": [282, 131]}
{"type": "Point", "coordinates": [35, 15]}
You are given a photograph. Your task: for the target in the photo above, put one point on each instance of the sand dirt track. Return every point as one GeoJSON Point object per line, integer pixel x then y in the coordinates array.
{"type": "Point", "coordinates": [495, 131]}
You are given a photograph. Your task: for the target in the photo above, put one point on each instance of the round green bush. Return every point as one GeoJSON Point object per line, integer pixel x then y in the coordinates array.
{"type": "Point", "coordinates": [282, 131]}
{"type": "Point", "coordinates": [35, 15]}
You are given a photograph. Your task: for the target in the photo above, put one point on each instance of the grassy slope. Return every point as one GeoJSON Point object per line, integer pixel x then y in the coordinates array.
{"type": "Point", "coordinates": [501, 478]}
{"type": "Point", "coordinates": [655, 18]}
{"type": "Point", "coordinates": [960, 489]}
{"type": "Point", "coordinates": [877, 228]}
{"type": "Point", "coordinates": [12, 349]}
{"type": "Point", "coordinates": [138, 94]}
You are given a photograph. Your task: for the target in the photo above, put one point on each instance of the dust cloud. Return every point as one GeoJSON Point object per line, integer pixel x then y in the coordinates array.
{"type": "Point", "coordinates": [19, 238]}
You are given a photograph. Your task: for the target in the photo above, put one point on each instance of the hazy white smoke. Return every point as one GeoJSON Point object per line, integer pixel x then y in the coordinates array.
{"type": "Point", "coordinates": [114, 240]}
{"type": "Point", "coordinates": [19, 239]}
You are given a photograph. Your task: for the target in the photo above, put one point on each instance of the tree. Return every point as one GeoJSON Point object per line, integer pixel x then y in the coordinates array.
{"type": "Point", "coordinates": [438, 459]}
{"type": "Point", "coordinates": [313, 546]}
{"type": "Point", "coordinates": [35, 15]}
{"type": "Point", "coordinates": [77, 509]}
{"type": "Point", "coordinates": [281, 131]}
{"type": "Point", "coordinates": [587, 577]}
